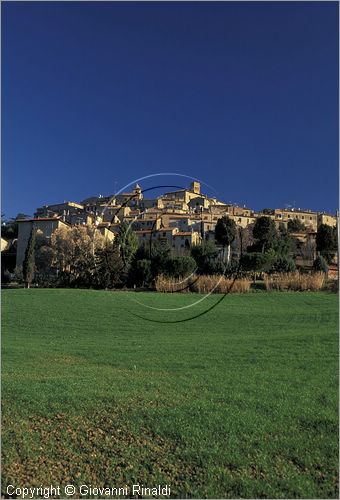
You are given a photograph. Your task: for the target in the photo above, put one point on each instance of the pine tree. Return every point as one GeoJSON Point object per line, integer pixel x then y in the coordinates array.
{"type": "Point", "coordinates": [29, 260]}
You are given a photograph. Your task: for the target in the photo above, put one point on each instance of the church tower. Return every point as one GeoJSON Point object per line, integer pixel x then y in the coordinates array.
{"type": "Point", "coordinates": [137, 191]}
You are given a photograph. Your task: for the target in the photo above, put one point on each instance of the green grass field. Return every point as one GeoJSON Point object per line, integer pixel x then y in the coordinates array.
{"type": "Point", "coordinates": [240, 402]}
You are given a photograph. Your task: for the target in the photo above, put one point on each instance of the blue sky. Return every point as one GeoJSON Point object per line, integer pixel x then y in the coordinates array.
{"type": "Point", "coordinates": [243, 95]}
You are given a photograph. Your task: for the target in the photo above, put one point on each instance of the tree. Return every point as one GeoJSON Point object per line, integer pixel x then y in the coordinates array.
{"type": "Point", "coordinates": [159, 256]}
{"type": "Point", "coordinates": [264, 232]}
{"type": "Point", "coordinates": [180, 267]}
{"type": "Point", "coordinates": [109, 266]}
{"type": "Point", "coordinates": [320, 264]}
{"type": "Point", "coordinates": [326, 241]}
{"type": "Point", "coordinates": [28, 266]}
{"type": "Point", "coordinates": [225, 233]}
{"type": "Point", "coordinates": [44, 272]}
{"type": "Point", "coordinates": [256, 262]}
{"type": "Point", "coordinates": [142, 275]}
{"type": "Point", "coordinates": [205, 256]}
{"type": "Point", "coordinates": [9, 229]}
{"type": "Point", "coordinates": [295, 226]}
{"type": "Point", "coordinates": [127, 242]}
{"type": "Point", "coordinates": [283, 265]}
{"type": "Point", "coordinates": [285, 244]}
{"type": "Point", "coordinates": [75, 254]}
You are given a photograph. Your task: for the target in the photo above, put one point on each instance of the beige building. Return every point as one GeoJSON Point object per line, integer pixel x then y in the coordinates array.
{"type": "Point", "coordinates": [177, 240]}
{"type": "Point", "coordinates": [183, 240]}
{"type": "Point", "coordinates": [308, 218]}
{"type": "Point", "coordinates": [330, 220]}
{"type": "Point", "coordinates": [243, 220]}
{"type": "Point", "coordinates": [183, 196]}
{"type": "Point", "coordinates": [104, 230]}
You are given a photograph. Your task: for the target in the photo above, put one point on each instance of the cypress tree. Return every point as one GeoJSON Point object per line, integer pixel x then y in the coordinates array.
{"type": "Point", "coordinates": [29, 260]}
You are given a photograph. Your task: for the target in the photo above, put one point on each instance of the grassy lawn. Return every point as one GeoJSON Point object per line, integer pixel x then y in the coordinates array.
{"type": "Point", "coordinates": [239, 402]}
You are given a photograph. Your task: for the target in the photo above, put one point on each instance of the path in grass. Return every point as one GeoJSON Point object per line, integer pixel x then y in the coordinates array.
{"type": "Point", "coordinates": [240, 402]}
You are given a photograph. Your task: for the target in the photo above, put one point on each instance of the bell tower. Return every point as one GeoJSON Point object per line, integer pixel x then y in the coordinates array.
{"type": "Point", "coordinates": [137, 192]}
{"type": "Point", "coordinates": [195, 187]}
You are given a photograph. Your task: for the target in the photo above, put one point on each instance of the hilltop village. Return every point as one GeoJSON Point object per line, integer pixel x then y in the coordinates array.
{"type": "Point", "coordinates": [183, 218]}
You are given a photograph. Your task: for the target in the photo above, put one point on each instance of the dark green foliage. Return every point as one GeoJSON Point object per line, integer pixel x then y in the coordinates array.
{"type": "Point", "coordinates": [326, 241]}
{"type": "Point", "coordinates": [258, 262]}
{"type": "Point", "coordinates": [5, 276]}
{"type": "Point", "coordinates": [225, 232]}
{"type": "Point", "coordinates": [285, 244]}
{"type": "Point", "coordinates": [295, 226]}
{"type": "Point", "coordinates": [127, 242]}
{"type": "Point", "coordinates": [265, 233]}
{"type": "Point", "coordinates": [28, 265]}
{"type": "Point", "coordinates": [180, 267]}
{"type": "Point", "coordinates": [110, 269]}
{"type": "Point", "coordinates": [320, 264]}
{"type": "Point", "coordinates": [141, 274]}
{"type": "Point", "coordinates": [144, 251]}
{"type": "Point", "coordinates": [160, 254]}
{"type": "Point", "coordinates": [231, 270]}
{"type": "Point", "coordinates": [283, 265]}
{"type": "Point", "coordinates": [205, 256]}
{"type": "Point", "coordinates": [9, 229]}
{"type": "Point", "coordinates": [254, 248]}
{"type": "Point", "coordinates": [8, 259]}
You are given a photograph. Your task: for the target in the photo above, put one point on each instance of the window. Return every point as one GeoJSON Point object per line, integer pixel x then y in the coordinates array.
{"type": "Point", "coordinates": [302, 216]}
{"type": "Point", "coordinates": [164, 233]}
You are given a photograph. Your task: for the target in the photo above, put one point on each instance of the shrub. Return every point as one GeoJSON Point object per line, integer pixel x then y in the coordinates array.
{"type": "Point", "coordinates": [205, 256]}
{"type": "Point", "coordinates": [202, 284]}
{"type": "Point", "coordinates": [177, 267]}
{"type": "Point", "coordinates": [295, 282]}
{"type": "Point", "coordinates": [142, 275]}
{"type": "Point", "coordinates": [220, 284]}
{"type": "Point", "coordinates": [283, 265]}
{"type": "Point", "coordinates": [168, 284]}
{"type": "Point", "coordinates": [320, 264]}
{"type": "Point", "coordinates": [295, 226]}
{"type": "Point", "coordinates": [256, 262]}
